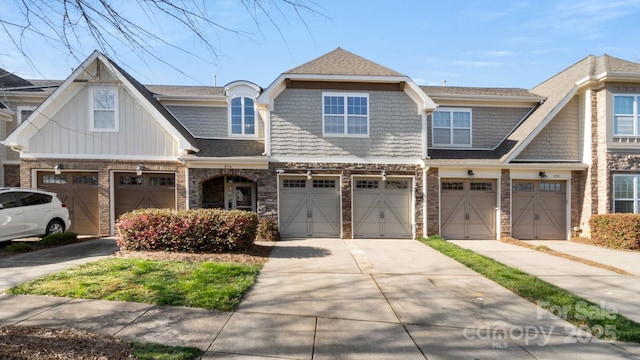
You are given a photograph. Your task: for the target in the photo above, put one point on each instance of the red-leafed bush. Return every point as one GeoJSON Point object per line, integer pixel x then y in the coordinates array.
{"type": "Point", "coordinates": [618, 231]}
{"type": "Point", "coordinates": [193, 231]}
{"type": "Point", "coordinates": [268, 230]}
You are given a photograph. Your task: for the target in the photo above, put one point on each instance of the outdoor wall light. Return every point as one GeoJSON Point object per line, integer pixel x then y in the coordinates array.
{"type": "Point", "coordinates": [139, 169]}
{"type": "Point", "coordinates": [280, 171]}
{"type": "Point", "coordinates": [543, 176]}
{"type": "Point", "coordinates": [309, 176]}
{"type": "Point", "coordinates": [58, 169]}
{"type": "Point", "coordinates": [384, 175]}
{"type": "Point", "coordinates": [470, 174]}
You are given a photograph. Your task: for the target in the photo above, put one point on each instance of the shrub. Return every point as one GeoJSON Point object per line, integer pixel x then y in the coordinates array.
{"type": "Point", "coordinates": [59, 239]}
{"type": "Point", "coordinates": [194, 231]}
{"type": "Point", "coordinates": [268, 230]}
{"type": "Point", "coordinates": [19, 247]}
{"type": "Point", "coordinates": [618, 231]}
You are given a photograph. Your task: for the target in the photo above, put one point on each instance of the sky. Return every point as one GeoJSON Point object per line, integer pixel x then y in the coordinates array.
{"type": "Point", "coordinates": [476, 43]}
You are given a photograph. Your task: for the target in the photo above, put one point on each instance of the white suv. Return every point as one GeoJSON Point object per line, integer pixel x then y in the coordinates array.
{"type": "Point", "coordinates": [31, 212]}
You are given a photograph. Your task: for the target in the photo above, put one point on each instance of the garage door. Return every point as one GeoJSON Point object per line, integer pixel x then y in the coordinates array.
{"type": "Point", "coordinates": [382, 209]}
{"type": "Point", "coordinates": [146, 191]}
{"type": "Point", "coordinates": [79, 191]}
{"type": "Point", "coordinates": [468, 209]}
{"type": "Point", "coordinates": [309, 208]}
{"type": "Point", "coordinates": [538, 209]}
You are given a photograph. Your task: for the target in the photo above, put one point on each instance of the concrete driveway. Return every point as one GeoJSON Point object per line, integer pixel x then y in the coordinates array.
{"type": "Point", "coordinates": [391, 299]}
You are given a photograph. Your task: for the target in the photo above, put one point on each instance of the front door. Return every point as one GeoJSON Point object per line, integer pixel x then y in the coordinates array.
{"type": "Point", "coordinates": [241, 196]}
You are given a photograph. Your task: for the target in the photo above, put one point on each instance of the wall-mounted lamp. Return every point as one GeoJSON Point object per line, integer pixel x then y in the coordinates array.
{"type": "Point", "coordinates": [384, 175]}
{"type": "Point", "coordinates": [58, 169]}
{"type": "Point", "coordinates": [280, 171]}
{"type": "Point", "coordinates": [543, 176]}
{"type": "Point", "coordinates": [139, 169]}
{"type": "Point", "coordinates": [309, 176]}
{"type": "Point", "coordinates": [470, 174]}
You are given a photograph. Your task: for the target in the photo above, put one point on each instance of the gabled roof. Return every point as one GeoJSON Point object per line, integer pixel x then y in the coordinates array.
{"type": "Point", "coordinates": [561, 88]}
{"type": "Point", "coordinates": [342, 62]}
{"type": "Point", "coordinates": [25, 130]}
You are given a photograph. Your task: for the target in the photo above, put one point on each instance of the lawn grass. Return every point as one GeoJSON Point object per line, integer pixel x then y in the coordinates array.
{"type": "Point", "coordinates": [148, 351]}
{"type": "Point", "coordinates": [580, 312]}
{"type": "Point", "coordinates": [207, 285]}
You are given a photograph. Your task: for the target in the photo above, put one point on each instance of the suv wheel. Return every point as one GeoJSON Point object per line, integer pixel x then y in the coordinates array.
{"type": "Point", "coordinates": [55, 226]}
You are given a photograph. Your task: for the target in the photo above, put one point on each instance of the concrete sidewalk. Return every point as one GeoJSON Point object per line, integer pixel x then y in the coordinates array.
{"type": "Point", "coordinates": [351, 299]}
{"type": "Point", "coordinates": [618, 293]}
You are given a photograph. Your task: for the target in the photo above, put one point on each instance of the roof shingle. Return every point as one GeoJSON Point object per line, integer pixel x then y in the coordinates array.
{"type": "Point", "coordinates": [342, 62]}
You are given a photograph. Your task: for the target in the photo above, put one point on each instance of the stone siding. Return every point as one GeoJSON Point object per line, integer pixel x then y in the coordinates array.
{"type": "Point", "coordinates": [395, 128]}
{"type": "Point", "coordinates": [433, 202]}
{"type": "Point", "coordinates": [505, 203]}
{"type": "Point", "coordinates": [11, 175]}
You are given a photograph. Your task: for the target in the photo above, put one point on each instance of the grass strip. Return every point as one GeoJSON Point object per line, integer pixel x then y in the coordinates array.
{"type": "Point", "coordinates": [593, 318]}
{"type": "Point", "coordinates": [207, 285]}
{"type": "Point", "coordinates": [149, 351]}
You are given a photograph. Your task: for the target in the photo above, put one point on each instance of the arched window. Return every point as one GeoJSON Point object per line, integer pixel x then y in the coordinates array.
{"type": "Point", "coordinates": [243, 116]}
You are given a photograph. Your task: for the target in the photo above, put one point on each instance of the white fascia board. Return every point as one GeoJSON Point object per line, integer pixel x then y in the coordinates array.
{"type": "Point", "coordinates": [488, 98]}
{"type": "Point", "coordinates": [607, 76]}
{"type": "Point", "coordinates": [237, 162]}
{"type": "Point", "coordinates": [183, 143]}
{"type": "Point", "coordinates": [347, 160]}
{"type": "Point", "coordinates": [97, 157]}
{"type": "Point", "coordinates": [425, 103]}
{"type": "Point", "coordinates": [542, 125]}
{"type": "Point", "coordinates": [7, 115]}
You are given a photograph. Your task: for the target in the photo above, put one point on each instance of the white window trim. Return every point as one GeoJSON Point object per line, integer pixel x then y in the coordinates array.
{"type": "Point", "coordinates": [91, 110]}
{"type": "Point", "coordinates": [451, 144]}
{"type": "Point", "coordinates": [255, 118]}
{"type": "Point", "coordinates": [636, 192]}
{"type": "Point", "coordinates": [20, 109]}
{"type": "Point", "coordinates": [635, 115]}
{"type": "Point", "coordinates": [346, 95]}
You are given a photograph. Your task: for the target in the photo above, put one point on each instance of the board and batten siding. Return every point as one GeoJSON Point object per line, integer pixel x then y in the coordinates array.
{"type": "Point", "coordinates": [69, 131]}
{"type": "Point", "coordinates": [395, 128]}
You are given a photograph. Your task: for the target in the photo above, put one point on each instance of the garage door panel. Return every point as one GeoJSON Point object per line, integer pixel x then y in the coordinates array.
{"type": "Point", "coordinates": [382, 209]}
{"type": "Point", "coordinates": [150, 190]}
{"type": "Point", "coordinates": [453, 214]}
{"type": "Point", "coordinates": [538, 210]}
{"type": "Point", "coordinates": [79, 191]}
{"type": "Point", "coordinates": [397, 215]}
{"type": "Point", "coordinates": [367, 213]}
{"type": "Point", "coordinates": [468, 208]}
{"type": "Point", "coordinates": [309, 207]}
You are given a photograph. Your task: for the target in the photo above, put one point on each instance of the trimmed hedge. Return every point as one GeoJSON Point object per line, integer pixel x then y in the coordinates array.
{"type": "Point", "coordinates": [618, 231]}
{"type": "Point", "coordinates": [193, 231]}
{"type": "Point", "coordinates": [268, 230]}
{"type": "Point", "coordinates": [64, 238]}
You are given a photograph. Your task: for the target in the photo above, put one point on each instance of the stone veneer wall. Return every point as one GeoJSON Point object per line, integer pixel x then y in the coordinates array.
{"type": "Point", "coordinates": [433, 202]}
{"type": "Point", "coordinates": [11, 175]}
{"type": "Point", "coordinates": [346, 171]}
{"type": "Point", "coordinates": [104, 168]}
{"type": "Point", "coordinates": [578, 188]}
{"type": "Point", "coordinates": [505, 203]}
{"type": "Point", "coordinates": [266, 187]}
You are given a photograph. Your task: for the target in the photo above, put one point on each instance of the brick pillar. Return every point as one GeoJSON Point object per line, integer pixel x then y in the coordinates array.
{"type": "Point", "coordinates": [346, 204]}
{"type": "Point", "coordinates": [433, 202]}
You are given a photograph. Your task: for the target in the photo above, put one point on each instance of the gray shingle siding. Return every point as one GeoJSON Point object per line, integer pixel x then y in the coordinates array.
{"type": "Point", "coordinates": [201, 121]}
{"type": "Point", "coordinates": [489, 125]}
{"type": "Point", "coordinates": [394, 127]}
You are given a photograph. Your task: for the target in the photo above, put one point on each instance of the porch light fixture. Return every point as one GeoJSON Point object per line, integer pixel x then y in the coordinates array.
{"type": "Point", "coordinates": [470, 174]}
{"type": "Point", "coordinates": [384, 175]}
{"type": "Point", "coordinates": [139, 170]}
{"type": "Point", "coordinates": [543, 176]}
{"type": "Point", "coordinates": [309, 176]}
{"type": "Point", "coordinates": [58, 169]}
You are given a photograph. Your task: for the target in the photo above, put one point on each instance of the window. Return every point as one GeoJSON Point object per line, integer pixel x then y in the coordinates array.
{"type": "Point", "coordinates": [23, 112]}
{"type": "Point", "coordinates": [243, 116]}
{"type": "Point", "coordinates": [626, 198]}
{"type": "Point", "coordinates": [345, 114]}
{"type": "Point", "coordinates": [626, 119]}
{"type": "Point", "coordinates": [451, 127]}
{"type": "Point", "coordinates": [104, 108]}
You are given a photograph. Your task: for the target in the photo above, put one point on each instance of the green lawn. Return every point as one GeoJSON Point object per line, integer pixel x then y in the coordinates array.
{"type": "Point", "coordinates": [208, 285]}
{"type": "Point", "coordinates": [576, 310]}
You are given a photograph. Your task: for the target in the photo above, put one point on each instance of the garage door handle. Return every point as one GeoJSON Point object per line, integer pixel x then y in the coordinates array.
{"type": "Point", "coordinates": [309, 214]}
{"type": "Point", "coordinates": [381, 214]}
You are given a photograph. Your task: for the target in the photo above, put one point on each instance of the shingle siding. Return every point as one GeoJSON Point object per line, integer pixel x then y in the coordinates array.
{"type": "Point", "coordinates": [202, 121]}
{"type": "Point", "coordinates": [559, 140]}
{"type": "Point", "coordinates": [394, 127]}
{"type": "Point", "coordinates": [489, 125]}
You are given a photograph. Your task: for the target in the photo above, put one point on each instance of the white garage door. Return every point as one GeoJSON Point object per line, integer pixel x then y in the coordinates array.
{"type": "Point", "coordinates": [309, 208]}
{"type": "Point", "coordinates": [538, 209]}
{"type": "Point", "coordinates": [468, 209]}
{"type": "Point", "coordinates": [382, 209]}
